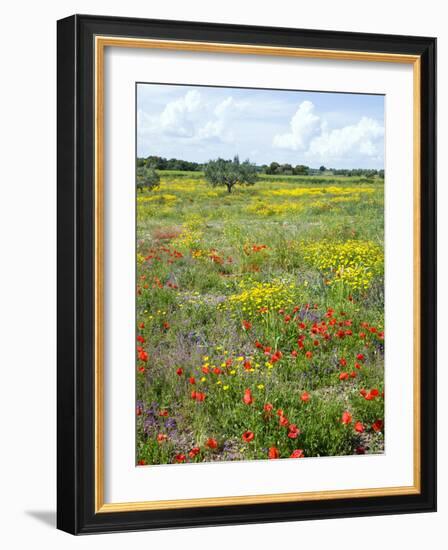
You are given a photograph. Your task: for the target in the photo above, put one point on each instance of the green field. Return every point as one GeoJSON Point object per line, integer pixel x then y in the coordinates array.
{"type": "Point", "coordinates": [260, 318]}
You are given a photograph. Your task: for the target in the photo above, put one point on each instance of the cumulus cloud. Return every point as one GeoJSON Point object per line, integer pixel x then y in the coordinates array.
{"type": "Point", "coordinates": [311, 134]}
{"type": "Point", "coordinates": [364, 138]}
{"type": "Point", "coordinates": [199, 123]}
{"type": "Point", "coordinates": [178, 116]}
{"type": "Point", "coordinates": [192, 117]}
{"type": "Point", "coordinates": [304, 125]}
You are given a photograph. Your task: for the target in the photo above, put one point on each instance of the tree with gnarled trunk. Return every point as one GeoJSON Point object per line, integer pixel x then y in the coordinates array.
{"type": "Point", "coordinates": [230, 172]}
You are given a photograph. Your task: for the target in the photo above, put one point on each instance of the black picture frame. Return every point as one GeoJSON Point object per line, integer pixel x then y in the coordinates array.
{"type": "Point", "coordinates": [76, 271]}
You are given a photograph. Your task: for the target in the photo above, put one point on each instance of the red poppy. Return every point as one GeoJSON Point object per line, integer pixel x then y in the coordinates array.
{"type": "Point", "coordinates": [305, 397]}
{"type": "Point", "coordinates": [205, 370]}
{"type": "Point", "coordinates": [166, 325]}
{"type": "Point", "coordinates": [346, 417]}
{"type": "Point", "coordinates": [287, 318]}
{"type": "Point", "coordinates": [360, 357]}
{"type": "Point", "coordinates": [139, 411]}
{"type": "Point", "coordinates": [343, 376]}
{"type": "Point", "coordinates": [315, 342]}
{"type": "Point", "coordinates": [297, 453]}
{"type": "Point", "coordinates": [360, 450]}
{"type": "Point", "coordinates": [248, 399]}
{"type": "Point", "coordinates": [161, 438]}
{"type": "Point", "coordinates": [359, 427]}
{"type": "Point", "coordinates": [343, 362]}
{"type": "Point", "coordinates": [192, 380]}
{"type": "Point", "coordinates": [357, 366]}
{"type": "Point", "coordinates": [247, 365]}
{"type": "Point", "coordinates": [194, 451]}
{"type": "Point", "coordinates": [293, 432]}
{"type": "Point", "coordinates": [362, 335]}
{"type": "Point", "coordinates": [309, 354]}
{"type": "Point", "coordinates": [141, 370]}
{"type": "Point", "coordinates": [179, 371]}
{"type": "Point", "coordinates": [268, 407]}
{"type": "Point", "coordinates": [211, 443]}
{"type": "Point", "coordinates": [279, 412]}
{"type": "Point", "coordinates": [143, 356]}
{"type": "Point", "coordinates": [248, 436]}
{"type": "Point", "coordinates": [198, 396]}
{"type": "Point", "coordinates": [258, 344]}
{"type": "Point", "coordinates": [217, 370]}
{"type": "Point", "coordinates": [180, 458]}
{"type": "Point", "coordinates": [247, 325]}
{"type": "Point", "coordinates": [294, 353]}
{"type": "Point", "coordinates": [141, 325]}
{"type": "Point", "coordinates": [353, 374]}
{"type": "Point", "coordinates": [273, 453]}
{"type": "Point", "coordinates": [141, 462]}
{"type": "Point", "coordinates": [377, 426]}
{"type": "Point", "coordinates": [140, 339]}
{"type": "Point", "coordinates": [283, 421]}
{"type": "Point", "coordinates": [163, 412]}
{"type": "Point", "coordinates": [374, 392]}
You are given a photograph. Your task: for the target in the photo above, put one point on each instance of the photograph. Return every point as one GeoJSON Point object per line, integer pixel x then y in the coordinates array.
{"type": "Point", "coordinates": [260, 311]}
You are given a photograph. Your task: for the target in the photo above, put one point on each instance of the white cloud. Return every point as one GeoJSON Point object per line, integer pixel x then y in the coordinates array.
{"type": "Point", "coordinates": [362, 139]}
{"type": "Point", "coordinates": [304, 126]}
{"type": "Point", "coordinates": [200, 123]}
{"type": "Point", "coordinates": [177, 118]}
{"type": "Point", "coordinates": [311, 134]}
{"type": "Point", "coordinates": [193, 118]}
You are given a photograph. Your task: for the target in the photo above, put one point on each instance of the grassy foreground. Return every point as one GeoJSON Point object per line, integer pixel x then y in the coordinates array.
{"type": "Point", "coordinates": [260, 319]}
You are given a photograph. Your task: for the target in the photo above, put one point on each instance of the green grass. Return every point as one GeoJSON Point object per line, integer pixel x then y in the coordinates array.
{"type": "Point", "coordinates": [275, 288]}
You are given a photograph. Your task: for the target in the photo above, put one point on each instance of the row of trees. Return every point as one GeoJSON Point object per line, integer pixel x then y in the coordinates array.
{"type": "Point", "coordinates": [162, 163]}
{"type": "Point", "coordinates": [275, 168]}
{"type": "Point", "coordinates": [285, 169]}
{"type": "Point", "coordinates": [232, 172]}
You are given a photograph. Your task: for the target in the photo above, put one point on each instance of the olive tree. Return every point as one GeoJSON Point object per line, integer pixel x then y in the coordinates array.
{"type": "Point", "coordinates": [147, 178]}
{"type": "Point", "coordinates": [230, 173]}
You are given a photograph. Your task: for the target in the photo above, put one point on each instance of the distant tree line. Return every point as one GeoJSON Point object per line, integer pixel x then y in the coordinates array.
{"type": "Point", "coordinates": [162, 163]}
{"type": "Point", "coordinates": [366, 172]}
{"type": "Point", "coordinates": [274, 168]}
{"type": "Point", "coordinates": [285, 169]}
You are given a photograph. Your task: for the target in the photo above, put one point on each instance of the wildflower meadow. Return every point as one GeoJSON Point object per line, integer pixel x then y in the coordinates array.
{"type": "Point", "coordinates": [260, 318]}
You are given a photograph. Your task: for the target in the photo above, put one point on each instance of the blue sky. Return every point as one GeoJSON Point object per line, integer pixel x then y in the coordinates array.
{"type": "Point", "coordinates": [199, 123]}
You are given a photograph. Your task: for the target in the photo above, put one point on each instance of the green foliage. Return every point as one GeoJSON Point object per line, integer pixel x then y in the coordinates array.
{"type": "Point", "coordinates": [230, 173]}
{"type": "Point", "coordinates": [162, 163]}
{"type": "Point", "coordinates": [147, 178]}
{"type": "Point", "coordinates": [300, 169]}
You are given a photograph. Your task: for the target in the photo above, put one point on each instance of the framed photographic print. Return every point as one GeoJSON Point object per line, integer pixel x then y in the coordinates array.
{"type": "Point", "coordinates": [246, 267]}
